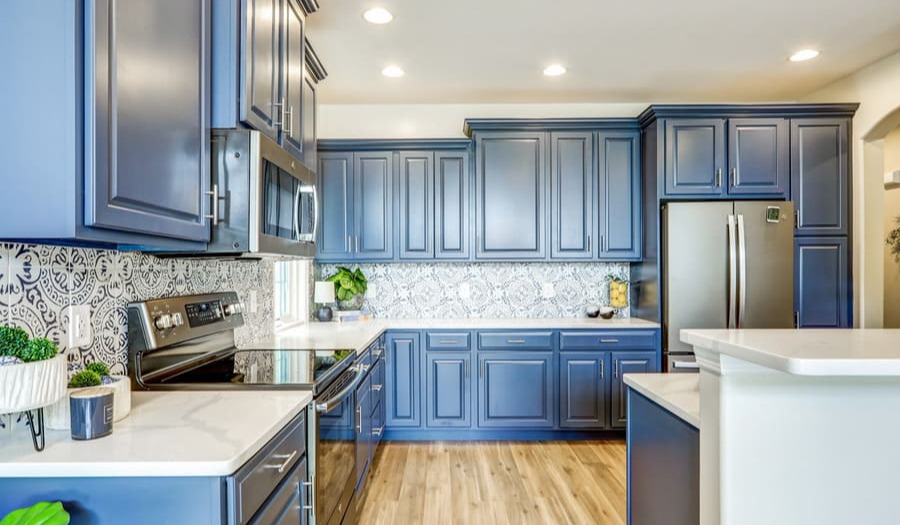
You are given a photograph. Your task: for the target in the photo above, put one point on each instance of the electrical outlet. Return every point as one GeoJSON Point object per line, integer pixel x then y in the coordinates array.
{"type": "Point", "coordinates": [465, 291]}
{"type": "Point", "coordinates": [79, 327]}
{"type": "Point", "coordinates": [254, 305]}
{"type": "Point", "coordinates": [371, 291]}
{"type": "Point", "coordinates": [547, 290]}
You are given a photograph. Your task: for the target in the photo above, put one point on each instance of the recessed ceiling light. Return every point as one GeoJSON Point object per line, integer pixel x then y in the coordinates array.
{"type": "Point", "coordinates": [378, 15]}
{"type": "Point", "coordinates": [392, 72]}
{"type": "Point", "coordinates": [554, 70]}
{"type": "Point", "coordinates": [804, 54]}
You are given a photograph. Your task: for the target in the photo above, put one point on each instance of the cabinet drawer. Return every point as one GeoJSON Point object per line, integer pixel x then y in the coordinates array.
{"type": "Point", "coordinates": [447, 340]}
{"type": "Point", "coordinates": [284, 508]}
{"type": "Point", "coordinates": [255, 481]}
{"type": "Point", "coordinates": [607, 340]}
{"type": "Point", "coordinates": [515, 340]}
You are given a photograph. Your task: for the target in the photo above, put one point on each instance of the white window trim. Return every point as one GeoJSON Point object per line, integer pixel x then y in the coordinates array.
{"type": "Point", "coordinates": [297, 283]}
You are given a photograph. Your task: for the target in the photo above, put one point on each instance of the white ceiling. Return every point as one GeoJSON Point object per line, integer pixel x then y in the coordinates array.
{"type": "Point", "coordinates": [493, 51]}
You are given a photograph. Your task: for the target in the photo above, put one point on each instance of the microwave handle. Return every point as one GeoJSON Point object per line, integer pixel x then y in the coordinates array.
{"type": "Point", "coordinates": [296, 232]}
{"type": "Point", "coordinates": [311, 189]}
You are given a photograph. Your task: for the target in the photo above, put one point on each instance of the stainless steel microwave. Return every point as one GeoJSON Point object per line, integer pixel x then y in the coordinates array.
{"type": "Point", "coordinates": [265, 199]}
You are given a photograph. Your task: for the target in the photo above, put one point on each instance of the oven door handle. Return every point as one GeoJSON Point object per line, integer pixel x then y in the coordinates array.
{"type": "Point", "coordinates": [330, 404]}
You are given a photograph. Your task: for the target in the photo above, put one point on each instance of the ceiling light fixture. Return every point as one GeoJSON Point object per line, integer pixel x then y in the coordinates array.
{"type": "Point", "coordinates": [378, 15]}
{"type": "Point", "coordinates": [554, 70]}
{"type": "Point", "coordinates": [804, 54]}
{"type": "Point", "coordinates": [392, 72]}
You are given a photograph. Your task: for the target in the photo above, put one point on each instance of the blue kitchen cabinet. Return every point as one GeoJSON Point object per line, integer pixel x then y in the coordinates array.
{"type": "Point", "coordinates": [510, 195]}
{"type": "Point", "coordinates": [313, 73]}
{"type": "Point", "coordinates": [363, 424]}
{"type": "Point", "coordinates": [619, 196]}
{"type": "Point", "coordinates": [448, 389]}
{"type": "Point", "coordinates": [583, 389]}
{"type": "Point", "coordinates": [261, 105]}
{"type": "Point", "coordinates": [516, 389]}
{"type": "Point", "coordinates": [451, 205]}
{"type": "Point", "coordinates": [374, 205]}
{"type": "Point", "coordinates": [416, 208]}
{"type": "Point", "coordinates": [403, 380]}
{"type": "Point", "coordinates": [292, 60]}
{"type": "Point", "coordinates": [335, 186]}
{"type": "Point", "coordinates": [637, 362]}
{"type": "Point", "coordinates": [820, 176]}
{"type": "Point", "coordinates": [758, 157]}
{"type": "Point", "coordinates": [571, 190]}
{"type": "Point", "coordinates": [822, 282]}
{"type": "Point", "coordinates": [694, 156]}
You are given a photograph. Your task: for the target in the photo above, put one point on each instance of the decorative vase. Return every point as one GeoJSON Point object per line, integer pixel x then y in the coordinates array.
{"type": "Point", "coordinates": [29, 386]}
{"type": "Point", "coordinates": [324, 314]}
{"type": "Point", "coordinates": [58, 417]}
{"type": "Point", "coordinates": [354, 303]}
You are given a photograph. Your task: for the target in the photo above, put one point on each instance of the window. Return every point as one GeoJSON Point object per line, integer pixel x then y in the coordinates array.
{"type": "Point", "coordinates": [291, 293]}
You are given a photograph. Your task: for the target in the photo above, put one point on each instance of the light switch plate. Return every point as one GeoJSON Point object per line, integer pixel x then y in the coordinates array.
{"type": "Point", "coordinates": [547, 290]}
{"type": "Point", "coordinates": [79, 326]}
{"type": "Point", "coordinates": [465, 291]}
{"type": "Point", "coordinates": [892, 179]}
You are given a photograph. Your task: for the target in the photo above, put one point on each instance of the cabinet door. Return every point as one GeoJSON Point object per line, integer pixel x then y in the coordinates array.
{"type": "Point", "coordinates": [451, 205]}
{"type": "Point", "coordinates": [261, 66]}
{"type": "Point", "coordinates": [510, 195]}
{"type": "Point", "coordinates": [363, 422]}
{"type": "Point", "coordinates": [147, 167]}
{"type": "Point", "coordinates": [758, 157]}
{"type": "Point", "coordinates": [416, 205]}
{"type": "Point", "coordinates": [336, 201]}
{"type": "Point", "coordinates": [516, 389]}
{"type": "Point", "coordinates": [822, 277]}
{"type": "Point", "coordinates": [293, 64]}
{"type": "Point", "coordinates": [695, 156]}
{"type": "Point", "coordinates": [571, 188]}
{"type": "Point", "coordinates": [308, 112]}
{"type": "Point", "coordinates": [402, 384]}
{"type": "Point", "coordinates": [374, 192]}
{"type": "Point", "coordinates": [619, 196]}
{"type": "Point", "coordinates": [448, 389]}
{"type": "Point", "coordinates": [583, 389]}
{"type": "Point", "coordinates": [820, 176]}
{"type": "Point", "coordinates": [627, 363]}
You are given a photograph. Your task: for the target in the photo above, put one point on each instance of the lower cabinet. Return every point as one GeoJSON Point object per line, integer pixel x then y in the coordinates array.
{"type": "Point", "coordinates": [286, 506]}
{"type": "Point", "coordinates": [627, 363]}
{"type": "Point", "coordinates": [363, 426]}
{"type": "Point", "coordinates": [516, 389]}
{"type": "Point", "coordinates": [448, 385]}
{"type": "Point", "coordinates": [403, 380]}
{"type": "Point", "coordinates": [583, 389]}
{"type": "Point", "coordinates": [822, 282]}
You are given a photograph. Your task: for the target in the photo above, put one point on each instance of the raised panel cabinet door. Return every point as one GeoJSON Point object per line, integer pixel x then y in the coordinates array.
{"type": "Point", "coordinates": [374, 216]}
{"type": "Point", "coordinates": [308, 111]}
{"type": "Point", "coordinates": [571, 190]}
{"type": "Point", "coordinates": [147, 166]}
{"type": "Point", "coordinates": [403, 381]}
{"type": "Point", "coordinates": [335, 188]}
{"type": "Point", "coordinates": [416, 205]}
{"type": "Point", "coordinates": [260, 99]}
{"type": "Point", "coordinates": [448, 390]}
{"type": "Point", "coordinates": [451, 205]}
{"type": "Point", "coordinates": [516, 389]}
{"type": "Point", "coordinates": [759, 157]}
{"type": "Point", "coordinates": [822, 281]}
{"type": "Point", "coordinates": [583, 389]}
{"type": "Point", "coordinates": [510, 195]}
{"type": "Point", "coordinates": [292, 74]}
{"type": "Point", "coordinates": [695, 156]}
{"type": "Point", "coordinates": [362, 420]}
{"type": "Point", "coordinates": [619, 196]}
{"type": "Point", "coordinates": [820, 175]}
{"type": "Point", "coordinates": [626, 363]}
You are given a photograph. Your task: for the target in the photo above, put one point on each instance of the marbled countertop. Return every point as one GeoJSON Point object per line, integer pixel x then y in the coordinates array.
{"type": "Point", "coordinates": [357, 335]}
{"type": "Point", "coordinates": [167, 434]}
{"type": "Point", "coordinates": [845, 353]}
{"type": "Point", "coordinates": [677, 393]}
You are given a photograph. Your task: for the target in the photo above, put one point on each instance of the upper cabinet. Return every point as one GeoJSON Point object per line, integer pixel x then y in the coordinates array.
{"type": "Point", "coordinates": [758, 156]}
{"type": "Point", "coordinates": [619, 195]}
{"type": "Point", "coordinates": [820, 175]}
{"type": "Point", "coordinates": [571, 190]}
{"type": "Point", "coordinates": [124, 159]}
{"type": "Point", "coordinates": [313, 73]}
{"type": "Point", "coordinates": [695, 156]}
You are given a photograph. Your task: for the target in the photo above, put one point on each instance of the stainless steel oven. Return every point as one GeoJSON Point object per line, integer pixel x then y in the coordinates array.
{"type": "Point", "coordinates": [265, 200]}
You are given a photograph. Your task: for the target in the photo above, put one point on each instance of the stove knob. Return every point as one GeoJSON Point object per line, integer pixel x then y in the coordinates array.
{"type": "Point", "coordinates": [177, 320]}
{"type": "Point", "coordinates": [231, 309]}
{"type": "Point", "coordinates": [163, 322]}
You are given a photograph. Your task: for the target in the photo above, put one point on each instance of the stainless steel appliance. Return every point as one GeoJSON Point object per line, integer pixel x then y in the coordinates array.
{"type": "Point", "coordinates": [187, 343]}
{"type": "Point", "coordinates": [725, 265]}
{"type": "Point", "coordinates": [265, 200]}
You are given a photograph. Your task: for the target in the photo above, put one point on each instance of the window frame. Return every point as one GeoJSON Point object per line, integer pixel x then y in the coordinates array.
{"type": "Point", "coordinates": [296, 287]}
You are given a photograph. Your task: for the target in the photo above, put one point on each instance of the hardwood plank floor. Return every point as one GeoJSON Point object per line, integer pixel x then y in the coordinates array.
{"type": "Point", "coordinates": [497, 483]}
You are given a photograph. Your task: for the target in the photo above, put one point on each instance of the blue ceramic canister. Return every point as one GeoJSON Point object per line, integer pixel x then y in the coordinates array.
{"type": "Point", "coordinates": [92, 412]}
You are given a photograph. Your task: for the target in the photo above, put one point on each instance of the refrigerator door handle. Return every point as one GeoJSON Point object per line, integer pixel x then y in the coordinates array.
{"type": "Point", "coordinates": [742, 272]}
{"type": "Point", "coordinates": [731, 320]}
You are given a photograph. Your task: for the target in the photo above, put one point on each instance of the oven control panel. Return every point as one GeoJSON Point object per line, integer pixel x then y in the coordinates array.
{"type": "Point", "coordinates": [172, 320]}
{"type": "Point", "coordinates": [199, 314]}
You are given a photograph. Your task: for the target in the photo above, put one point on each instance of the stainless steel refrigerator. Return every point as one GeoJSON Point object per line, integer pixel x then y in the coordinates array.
{"type": "Point", "coordinates": [727, 264]}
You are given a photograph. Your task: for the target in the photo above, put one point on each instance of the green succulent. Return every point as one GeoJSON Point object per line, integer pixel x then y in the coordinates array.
{"type": "Point", "coordinates": [13, 341]}
{"type": "Point", "coordinates": [348, 283]}
{"type": "Point", "coordinates": [85, 378]}
{"type": "Point", "coordinates": [38, 350]}
{"type": "Point", "coordinates": [43, 513]}
{"type": "Point", "coordinates": [100, 368]}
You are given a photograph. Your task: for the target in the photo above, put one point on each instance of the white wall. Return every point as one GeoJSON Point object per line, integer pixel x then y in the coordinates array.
{"type": "Point", "coordinates": [877, 89]}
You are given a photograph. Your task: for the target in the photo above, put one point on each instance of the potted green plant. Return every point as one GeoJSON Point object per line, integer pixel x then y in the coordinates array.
{"type": "Point", "coordinates": [893, 240]}
{"type": "Point", "coordinates": [349, 287]}
{"type": "Point", "coordinates": [41, 513]}
{"type": "Point", "coordinates": [94, 374]}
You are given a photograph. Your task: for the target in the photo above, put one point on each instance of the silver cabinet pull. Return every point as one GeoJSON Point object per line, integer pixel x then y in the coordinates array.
{"type": "Point", "coordinates": [377, 388]}
{"type": "Point", "coordinates": [718, 177]}
{"type": "Point", "coordinates": [287, 114]}
{"type": "Point", "coordinates": [214, 206]}
{"type": "Point", "coordinates": [280, 113]}
{"type": "Point", "coordinates": [287, 461]}
{"type": "Point", "coordinates": [515, 341]}
{"type": "Point", "coordinates": [359, 420]}
{"type": "Point", "coordinates": [448, 341]}
{"type": "Point", "coordinates": [466, 368]}
{"type": "Point", "coordinates": [609, 341]}
{"type": "Point", "coordinates": [308, 504]}
{"type": "Point", "coordinates": [378, 431]}
{"type": "Point", "coordinates": [733, 177]}
{"type": "Point", "coordinates": [601, 369]}
{"type": "Point", "coordinates": [616, 369]}
{"type": "Point", "coordinates": [589, 243]}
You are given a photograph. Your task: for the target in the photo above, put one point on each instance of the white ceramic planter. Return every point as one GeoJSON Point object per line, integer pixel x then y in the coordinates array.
{"type": "Point", "coordinates": [57, 416]}
{"type": "Point", "coordinates": [32, 385]}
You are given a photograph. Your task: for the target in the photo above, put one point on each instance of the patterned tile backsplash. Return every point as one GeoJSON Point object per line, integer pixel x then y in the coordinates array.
{"type": "Point", "coordinates": [38, 282]}
{"type": "Point", "coordinates": [494, 289]}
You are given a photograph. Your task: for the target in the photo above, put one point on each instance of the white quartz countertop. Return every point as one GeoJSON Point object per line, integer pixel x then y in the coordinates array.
{"type": "Point", "coordinates": [677, 393]}
{"type": "Point", "coordinates": [167, 434]}
{"type": "Point", "coordinates": [356, 335]}
{"type": "Point", "coordinates": [844, 353]}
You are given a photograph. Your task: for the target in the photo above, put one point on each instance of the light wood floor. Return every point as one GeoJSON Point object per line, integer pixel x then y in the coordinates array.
{"type": "Point", "coordinates": [497, 483]}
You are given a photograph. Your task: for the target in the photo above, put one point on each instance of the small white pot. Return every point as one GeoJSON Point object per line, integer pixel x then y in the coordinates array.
{"type": "Point", "coordinates": [28, 386]}
{"type": "Point", "coordinates": [57, 416]}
